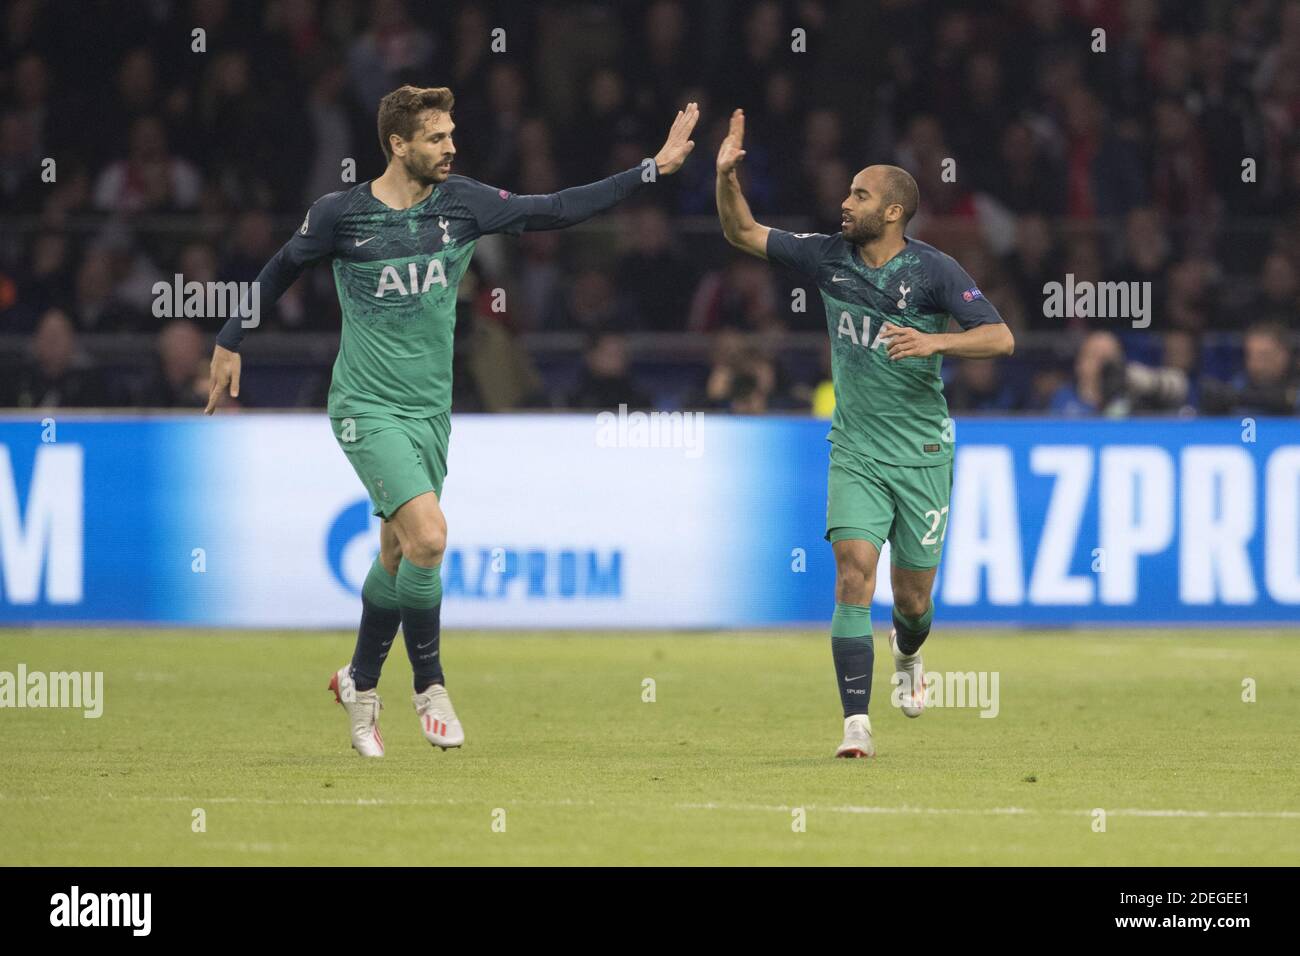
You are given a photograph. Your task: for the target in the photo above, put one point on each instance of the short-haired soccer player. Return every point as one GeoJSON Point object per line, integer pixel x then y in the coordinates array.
{"type": "Point", "coordinates": [888, 301]}
{"type": "Point", "coordinates": [399, 245]}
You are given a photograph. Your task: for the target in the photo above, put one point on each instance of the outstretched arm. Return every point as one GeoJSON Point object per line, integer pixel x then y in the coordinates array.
{"type": "Point", "coordinates": [738, 223]}
{"type": "Point", "coordinates": [506, 212]}
{"type": "Point", "coordinates": [314, 240]}
{"type": "Point", "coordinates": [562, 209]}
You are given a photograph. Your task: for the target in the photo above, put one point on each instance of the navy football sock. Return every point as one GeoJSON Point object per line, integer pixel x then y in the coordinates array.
{"type": "Point", "coordinates": [379, 620]}
{"type": "Point", "coordinates": [420, 595]}
{"type": "Point", "coordinates": [422, 630]}
{"type": "Point", "coordinates": [854, 652]}
{"type": "Point", "coordinates": [912, 631]}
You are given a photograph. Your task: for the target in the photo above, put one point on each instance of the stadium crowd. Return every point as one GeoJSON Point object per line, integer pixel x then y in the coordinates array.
{"type": "Point", "coordinates": [1171, 157]}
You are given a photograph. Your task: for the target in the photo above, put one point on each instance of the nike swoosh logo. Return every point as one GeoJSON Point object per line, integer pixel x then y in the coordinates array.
{"type": "Point", "coordinates": [362, 242]}
{"type": "Point", "coordinates": [420, 647]}
{"type": "Point", "coordinates": [849, 679]}
{"type": "Point", "coordinates": [840, 278]}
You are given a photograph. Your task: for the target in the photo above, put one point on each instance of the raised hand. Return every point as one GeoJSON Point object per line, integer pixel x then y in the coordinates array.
{"type": "Point", "coordinates": [679, 143]}
{"type": "Point", "coordinates": [732, 150]}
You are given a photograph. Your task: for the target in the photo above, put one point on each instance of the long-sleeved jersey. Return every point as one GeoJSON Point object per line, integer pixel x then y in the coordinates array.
{"type": "Point", "coordinates": [396, 272]}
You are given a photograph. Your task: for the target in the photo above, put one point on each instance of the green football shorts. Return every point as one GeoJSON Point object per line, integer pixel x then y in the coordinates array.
{"type": "Point", "coordinates": [906, 505]}
{"type": "Point", "coordinates": [395, 458]}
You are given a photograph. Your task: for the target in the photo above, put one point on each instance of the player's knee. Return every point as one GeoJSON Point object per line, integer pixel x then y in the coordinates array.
{"type": "Point", "coordinates": [911, 603]}
{"type": "Point", "coordinates": [428, 547]}
{"type": "Point", "coordinates": [854, 585]}
{"type": "Point", "coordinates": [390, 558]}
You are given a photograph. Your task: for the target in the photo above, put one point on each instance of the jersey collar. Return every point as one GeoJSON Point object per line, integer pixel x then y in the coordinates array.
{"type": "Point", "coordinates": [862, 263]}
{"type": "Point", "coordinates": [387, 208]}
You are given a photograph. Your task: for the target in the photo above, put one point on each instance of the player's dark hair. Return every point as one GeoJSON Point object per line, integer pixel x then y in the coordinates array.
{"type": "Point", "coordinates": [901, 188]}
{"type": "Point", "coordinates": [399, 112]}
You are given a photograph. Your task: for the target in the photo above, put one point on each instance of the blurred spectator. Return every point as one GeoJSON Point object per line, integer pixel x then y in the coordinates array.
{"type": "Point", "coordinates": [1104, 174]}
{"type": "Point", "coordinates": [541, 282]}
{"type": "Point", "coordinates": [393, 50]}
{"type": "Point", "coordinates": [653, 275]}
{"type": "Point", "coordinates": [1146, 249]}
{"type": "Point", "coordinates": [150, 179]}
{"type": "Point", "coordinates": [255, 241]}
{"type": "Point", "coordinates": [764, 37]}
{"type": "Point", "coordinates": [1191, 303]}
{"type": "Point", "coordinates": [753, 384]}
{"type": "Point", "coordinates": [742, 378]}
{"type": "Point", "coordinates": [31, 88]}
{"type": "Point", "coordinates": [980, 385]}
{"type": "Point", "coordinates": [491, 372]}
{"type": "Point", "coordinates": [605, 381]}
{"type": "Point", "coordinates": [137, 94]}
{"type": "Point", "coordinates": [1181, 352]}
{"type": "Point", "coordinates": [1122, 167]}
{"type": "Point", "coordinates": [667, 61]}
{"type": "Point", "coordinates": [19, 163]}
{"type": "Point", "coordinates": [1027, 179]}
{"type": "Point", "coordinates": [593, 304]}
{"type": "Point", "coordinates": [256, 147]}
{"type": "Point", "coordinates": [330, 132]}
{"type": "Point", "coordinates": [728, 344]}
{"type": "Point", "coordinates": [1267, 384]}
{"type": "Point", "coordinates": [1034, 262]}
{"type": "Point", "coordinates": [96, 306]}
{"type": "Point", "coordinates": [1181, 174]}
{"type": "Point", "coordinates": [57, 374]}
{"type": "Point", "coordinates": [500, 159]}
{"type": "Point", "coordinates": [1278, 298]}
{"type": "Point", "coordinates": [180, 379]}
{"type": "Point", "coordinates": [741, 296]}
{"type": "Point", "coordinates": [45, 283]}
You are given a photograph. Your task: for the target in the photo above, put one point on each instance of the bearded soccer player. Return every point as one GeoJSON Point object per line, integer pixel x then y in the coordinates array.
{"type": "Point", "coordinates": [889, 299]}
{"type": "Point", "coordinates": [399, 246]}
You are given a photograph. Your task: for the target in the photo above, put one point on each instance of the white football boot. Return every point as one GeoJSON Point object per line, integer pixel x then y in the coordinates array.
{"type": "Point", "coordinates": [437, 718]}
{"type": "Point", "coordinates": [857, 737]}
{"type": "Point", "coordinates": [363, 708]}
{"type": "Point", "coordinates": [910, 676]}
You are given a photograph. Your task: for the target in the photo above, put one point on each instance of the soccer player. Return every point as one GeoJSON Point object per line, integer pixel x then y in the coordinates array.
{"type": "Point", "coordinates": [888, 302]}
{"type": "Point", "coordinates": [399, 246]}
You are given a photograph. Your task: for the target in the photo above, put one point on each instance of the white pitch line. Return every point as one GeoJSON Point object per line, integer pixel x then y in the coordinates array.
{"type": "Point", "coordinates": [732, 807]}
{"type": "Point", "coordinates": [302, 802]}
{"type": "Point", "coordinates": [1261, 814]}
{"type": "Point", "coordinates": [1000, 811]}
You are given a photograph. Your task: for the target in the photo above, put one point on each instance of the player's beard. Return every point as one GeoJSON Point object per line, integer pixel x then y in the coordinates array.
{"type": "Point", "coordinates": [864, 230]}
{"type": "Point", "coordinates": [425, 174]}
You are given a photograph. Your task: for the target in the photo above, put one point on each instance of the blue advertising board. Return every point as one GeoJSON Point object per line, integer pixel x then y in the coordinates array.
{"type": "Point", "coordinates": [597, 521]}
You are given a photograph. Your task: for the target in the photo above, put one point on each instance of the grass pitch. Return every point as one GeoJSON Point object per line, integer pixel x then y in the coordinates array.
{"type": "Point", "coordinates": [1149, 726]}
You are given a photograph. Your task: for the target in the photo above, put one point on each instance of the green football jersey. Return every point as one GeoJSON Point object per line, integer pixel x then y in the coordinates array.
{"type": "Point", "coordinates": [892, 411]}
{"type": "Point", "coordinates": [397, 272]}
